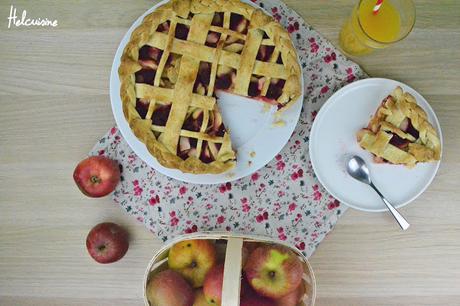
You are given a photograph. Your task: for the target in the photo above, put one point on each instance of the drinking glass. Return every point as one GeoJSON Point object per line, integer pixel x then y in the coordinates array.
{"type": "Point", "coordinates": [366, 30]}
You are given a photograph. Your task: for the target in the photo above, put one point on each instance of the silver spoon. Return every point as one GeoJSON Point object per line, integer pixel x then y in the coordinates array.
{"type": "Point", "coordinates": [357, 168]}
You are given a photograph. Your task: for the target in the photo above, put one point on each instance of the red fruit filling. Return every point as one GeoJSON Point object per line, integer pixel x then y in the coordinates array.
{"type": "Point", "coordinates": [187, 146]}
{"type": "Point", "coordinates": [148, 52]}
{"type": "Point", "coordinates": [205, 155]}
{"type": "Point", "coordinates": [212, 39]}
{"type": "Point", "coordinates": [203, 78]}
{"type": "Point", "coordinates": [380, 160]}
{"type": "Point", "coordinates": [255, 86]}
{"type": "Point", "coordinates": [145, 76]}
{"type": "Point", "coordinates": [183, 154]}
{"type": "Point", "coordinates": [238, 23]}
{"type": "Point", "coordinates": [142, 107]}
{"type": "Point", "coordinates": [170, 58]}
{"type": "Point", "coordinates": [149, 64]}
{"type": "Point", "coordinates": [160, 115]}
{"type": "Point", "coordinates": [399, 142]}
{"type": "Point", "coordinates": [194, 121]}
{"type": "Point", "coordinates": [220, 131]}
{"type": "Point", "coordinates": [181, 31]}
{"type": "Point", "coordinates": [253, 90]}
{"type": "Point", "coordinates": [218, 19]}
{"type": "Point", "coordinates": [407, 127]}
{"type": "Point", "coordinates": [216, 126]}
{"type": "Point", "coordinates": [224, 81]}
{"type": "Point", "coordinates": [144, 53]}
{"type": "Point", "coordinates": [265, 52]}
{"type": "Point", "coordinates": [275, 89]}
{"type": "Point", "coordinates": [149, 57]}
{"type": "Point", "coordinates": [164, 27]}
{"type": "Point", "coordinates": [208, 151]}
{"type": "Point", "coordinates": [279, 60]}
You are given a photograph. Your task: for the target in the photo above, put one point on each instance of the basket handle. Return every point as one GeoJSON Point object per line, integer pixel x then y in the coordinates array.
{"type": "Point", "coordinates": [232, 272]}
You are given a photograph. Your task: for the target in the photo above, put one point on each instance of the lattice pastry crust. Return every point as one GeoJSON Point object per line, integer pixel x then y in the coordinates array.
{"type": "Point", "coordinates": [400, 133]}
{"type": "Point", "coordinates": [177, 59]}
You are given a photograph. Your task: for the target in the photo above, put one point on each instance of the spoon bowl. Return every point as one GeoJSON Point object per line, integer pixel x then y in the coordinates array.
{"type": "Point", "coordinates": [358, 169]}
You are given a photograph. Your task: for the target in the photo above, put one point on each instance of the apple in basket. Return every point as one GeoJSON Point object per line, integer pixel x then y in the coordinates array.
{"type": "Point", "coordinates": [97, 176]}
{"type": "Point", "coordinates": [169, 288]}
{"type": "Point", "coordinates": [107, 242]}
{"type": "Point", "coordinates": [193, 259]}
{"type": "Point", "coordinates": [291, 299]}
{"type": "Point", "coordinates": [273, 271]}
{"type": "Point", "coordinates": [212, 287]}
{"type": "Point", "coordinates": [200, 299]}
{"type": "Point", "coordinates": [252, 299]}
{"type": "Point", "coordinates": [245, 288]}
{"type": "Point", "coordinates": [248, 248]}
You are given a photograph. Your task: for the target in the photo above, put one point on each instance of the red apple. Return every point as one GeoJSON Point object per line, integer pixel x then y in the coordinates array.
{"type": "Point", "coordinates": [253, 299]}
{"type": "Point", "coordinates": [193, 259]}
{"type": "Point", "coordinates": [200, 299]}
{"type": "Point", "coordinates": [291, 299]}
{"type": "Point", "coordinates": [248, 248]}
{"type": "Point", "coordinates": [273, 271]}
{"type": "Point", "coordinates": [97, 176]}
{"type": "Point", "coordinates": [245, 288]}
{"type": "Point", "coordinates": [212, 287]}
{"type": "Point", "coordinates": [107, 242]}
{"type": "Point", "coordinates": [169, 288]}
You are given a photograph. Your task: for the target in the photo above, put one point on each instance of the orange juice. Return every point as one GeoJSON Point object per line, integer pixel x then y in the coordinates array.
{"type": "Point", "coordinates": [365, 30]}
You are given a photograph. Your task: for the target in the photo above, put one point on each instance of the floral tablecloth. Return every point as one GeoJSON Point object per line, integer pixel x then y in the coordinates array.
{"type": "Point", "coordinates": [283, 200]}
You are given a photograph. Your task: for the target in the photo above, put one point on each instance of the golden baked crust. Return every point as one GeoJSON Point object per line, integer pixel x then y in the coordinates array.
{"type": "Point", "coordinates": [400, 132]}
{"type": "Point", "coordinates": [181, 73]}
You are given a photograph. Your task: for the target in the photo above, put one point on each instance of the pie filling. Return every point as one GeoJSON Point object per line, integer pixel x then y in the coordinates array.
{"type": "Point", "coordinates": [149, 59]}
{"type": "Point", "coordinates": [238, 23]}
{"type": "Point", "coordinates": [401, 143]}
{"type": "Point", "coordinates": [187, 146]}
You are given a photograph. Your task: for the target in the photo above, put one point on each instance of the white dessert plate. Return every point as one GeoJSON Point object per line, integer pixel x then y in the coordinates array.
{"type": "Point", "coordinates": [333, 141]}
{"type": "Point", "coordinates": [254, 137]}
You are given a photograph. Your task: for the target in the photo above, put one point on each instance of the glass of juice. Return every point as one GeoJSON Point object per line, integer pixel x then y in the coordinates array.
{"type": "Point", "coordinates": [367, 30]}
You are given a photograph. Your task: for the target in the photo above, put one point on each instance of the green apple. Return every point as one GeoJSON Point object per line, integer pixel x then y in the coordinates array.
{"type": "Point", "coordinates": [273, 271]}
{"type": "Point", "coordinates": [193, 259]}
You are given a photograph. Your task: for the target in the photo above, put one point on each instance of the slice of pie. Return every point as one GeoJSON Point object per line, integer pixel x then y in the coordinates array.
{"type": "Point", "coordinates": [180, 56]}
{"type": "Point", "coordinates": [400, 133]}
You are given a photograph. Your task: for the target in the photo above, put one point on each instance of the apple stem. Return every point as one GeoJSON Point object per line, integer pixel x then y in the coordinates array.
{"type": "Point", "coordinates": [95, 180]}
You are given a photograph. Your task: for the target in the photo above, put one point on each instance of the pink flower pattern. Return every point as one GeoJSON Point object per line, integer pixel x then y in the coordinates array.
{"type": "Point", "coordinates": [283, 200]}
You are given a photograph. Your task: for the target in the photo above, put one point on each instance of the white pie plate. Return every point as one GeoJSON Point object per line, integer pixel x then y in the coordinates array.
{"type": "Point", "coordinates": [253, 135]}
{"type": "Point", "coordinates": [333, 140]}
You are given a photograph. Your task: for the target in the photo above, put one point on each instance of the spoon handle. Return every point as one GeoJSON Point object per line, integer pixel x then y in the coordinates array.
{"type": "Point", "coordinates": [399, 218]}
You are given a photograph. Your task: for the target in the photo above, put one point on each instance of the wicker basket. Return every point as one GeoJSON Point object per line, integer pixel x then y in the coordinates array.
{"type": "Point", "coordinates": [233, 258]}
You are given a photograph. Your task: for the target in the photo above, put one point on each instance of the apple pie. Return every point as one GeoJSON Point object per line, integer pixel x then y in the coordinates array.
{"type": "Point", "coordinates": [180, 56]}
{"type": "Point", "coordinates": [400, 133]}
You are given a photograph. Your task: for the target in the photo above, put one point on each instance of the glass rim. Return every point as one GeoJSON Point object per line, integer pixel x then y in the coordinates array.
{"type": "Point", "coordinates": [387, 42]}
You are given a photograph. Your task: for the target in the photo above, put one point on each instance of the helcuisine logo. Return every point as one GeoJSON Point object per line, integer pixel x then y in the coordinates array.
{"type": "Point", "coordinates": [15, 21]}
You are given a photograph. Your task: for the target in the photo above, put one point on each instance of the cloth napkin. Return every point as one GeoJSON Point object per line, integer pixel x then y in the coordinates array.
{"type": "Point", "coordinates": [283, 200]}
